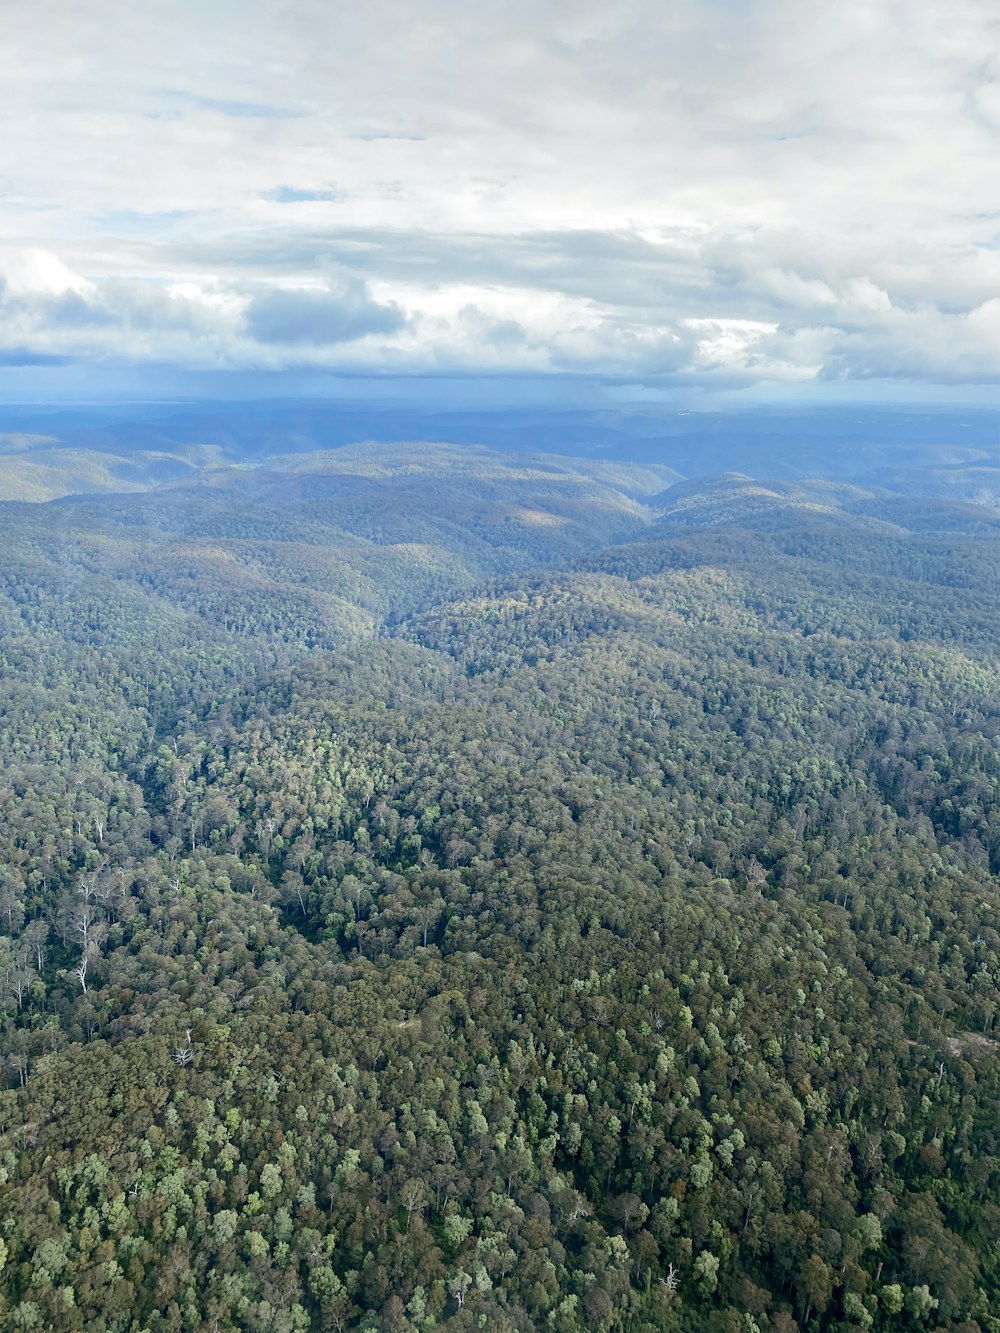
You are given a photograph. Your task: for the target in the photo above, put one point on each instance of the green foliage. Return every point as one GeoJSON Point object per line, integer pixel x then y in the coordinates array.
{"type": "Point", "coordinates": [613, 947]}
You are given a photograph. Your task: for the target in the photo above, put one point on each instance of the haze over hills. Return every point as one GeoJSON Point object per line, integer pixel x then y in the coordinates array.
{"type": "Point", "coordinates": [947, 452]}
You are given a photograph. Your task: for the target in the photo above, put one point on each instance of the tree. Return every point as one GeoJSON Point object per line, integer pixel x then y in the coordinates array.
{"type": "Point", "coordinates": [815, 1286]}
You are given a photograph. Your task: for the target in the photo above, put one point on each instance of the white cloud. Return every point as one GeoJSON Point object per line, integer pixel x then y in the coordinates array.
{"type": "Point", "coordinates": [36, 272]}
{"type": "Point", "coordinates": [763, 191]}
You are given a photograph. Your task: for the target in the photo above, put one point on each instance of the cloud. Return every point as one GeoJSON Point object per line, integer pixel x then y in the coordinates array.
{"type": "Point", "coordinates": [319, 316]}
{"type": "Point", "coordinates": [906, 345]}
{"type": "Point", "coordinates": [31, 270]}
{"type": "Point", "coordinates": [761, 193]}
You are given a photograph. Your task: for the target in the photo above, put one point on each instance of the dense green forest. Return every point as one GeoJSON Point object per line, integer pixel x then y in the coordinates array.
{"type": "Point", "coordinates": [449, 889]}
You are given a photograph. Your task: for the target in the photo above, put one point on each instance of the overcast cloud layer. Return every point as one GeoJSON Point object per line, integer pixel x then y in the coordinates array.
{"type": "Point", "coordinates": [704, 193]}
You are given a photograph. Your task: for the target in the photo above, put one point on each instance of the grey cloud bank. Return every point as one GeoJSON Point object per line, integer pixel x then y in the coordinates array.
{"type": "Point", "coordinates": [676, 194]}
{"type": "Point", "coordinates": [319, 316]}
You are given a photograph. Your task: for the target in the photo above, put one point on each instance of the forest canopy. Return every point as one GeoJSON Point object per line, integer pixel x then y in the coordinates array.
{"type": "Point", "coordinates": [450, 889]}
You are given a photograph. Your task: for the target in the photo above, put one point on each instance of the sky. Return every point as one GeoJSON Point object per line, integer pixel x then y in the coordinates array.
{"type": "Point", "coordinates": [656, 198]}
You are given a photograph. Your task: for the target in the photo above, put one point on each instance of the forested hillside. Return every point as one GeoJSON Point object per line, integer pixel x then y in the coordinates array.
{"type": "Point", "coordinates": [445, 889]}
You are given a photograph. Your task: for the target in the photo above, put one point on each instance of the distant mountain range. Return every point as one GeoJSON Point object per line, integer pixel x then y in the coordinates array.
{"type": "Point", "coordinates": [945, 453]}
